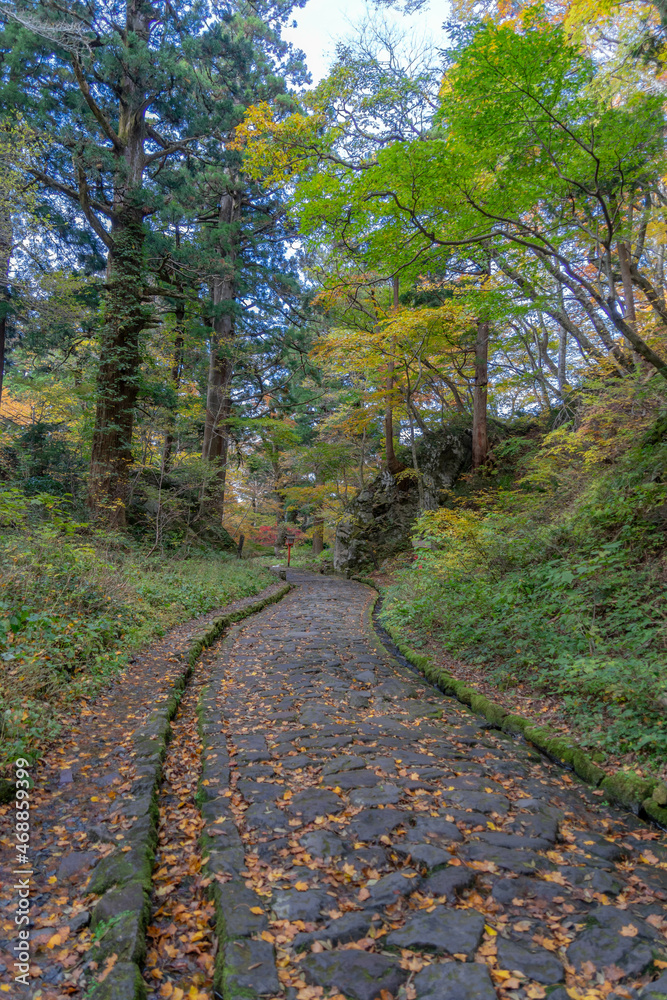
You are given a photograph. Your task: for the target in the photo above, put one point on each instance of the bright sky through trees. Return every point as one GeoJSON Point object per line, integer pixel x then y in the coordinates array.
{"type": "Point", "coordinates": [322, 23]}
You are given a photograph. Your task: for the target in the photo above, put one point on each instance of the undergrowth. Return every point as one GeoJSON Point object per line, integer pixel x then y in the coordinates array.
{"type": "Point", "coordinates": [76, 603]}
{"type": "Point", "coordinates": [558, 581]}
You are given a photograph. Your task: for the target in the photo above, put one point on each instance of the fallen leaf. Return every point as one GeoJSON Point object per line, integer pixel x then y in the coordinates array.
{"type": "Point", "coordinates": [108, 966]}
{"type": "Point", "coordinates": [629, 930]}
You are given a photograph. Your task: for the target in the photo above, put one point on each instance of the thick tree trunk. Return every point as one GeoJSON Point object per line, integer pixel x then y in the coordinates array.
{"type": "Point", "coordinates": [393, 465]}
{"type": "Point", "coordinates": [480, 444]}
{"type": "Point", "coordinates": [176, 370]}
{"type": "Point", "coordinates": [415, 462]}
{"type": "Point", "coordinates": [118, 372]}
{"type": "Point", "coordinates": [221, 363]}
{"type": "Point", "coordinates": [625, 261]}
{"type": "Point", "coordinates": [318, 536]}
{"type": "Point", "coordinates": [6, 246]}
{"type": "Point", "coordinates": [562, 360]}
{"type": "Point", "coordinates": [125, 313]}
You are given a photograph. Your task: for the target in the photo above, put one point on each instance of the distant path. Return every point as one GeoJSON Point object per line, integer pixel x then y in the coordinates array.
{"type": "Point", "coordinates": [398, 844]}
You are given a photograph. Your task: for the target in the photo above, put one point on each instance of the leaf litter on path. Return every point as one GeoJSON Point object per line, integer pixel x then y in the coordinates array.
{"type": "Point", "coordinates": [181, 944]}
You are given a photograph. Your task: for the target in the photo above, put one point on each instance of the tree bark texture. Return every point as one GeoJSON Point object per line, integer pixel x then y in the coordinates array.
{"type": "Point", "coordinates": [118, 371]}
{"type": "Point", "coordinates": [480, 444]}
{"type": "Point", "coordinates": [176, 371]}
{"type": "Point", "coordinates": [125, 312]}
{"type": "Point", "coordinates": [318, 535]}
{"type": "Point", "coordinates": [393, 465]}
{"type": "Point", "coordinates": [6, 244]}
{"type": "Point", "coordinates": [221, 361]}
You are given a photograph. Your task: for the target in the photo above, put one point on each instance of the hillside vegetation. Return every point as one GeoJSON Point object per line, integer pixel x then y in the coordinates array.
{"type": "Point", "coordinates": [75, 604]}
{"type": "Point", "coordinates": [553, 580]}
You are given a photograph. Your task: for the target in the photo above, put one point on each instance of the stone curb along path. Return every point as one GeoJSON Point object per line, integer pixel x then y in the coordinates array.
{"type": "Point", "coordinates": [363, 833]}
{"type": "Point", "coordinates": [640, 795]}
{"type": "Point", "coordinates": [122, 880]}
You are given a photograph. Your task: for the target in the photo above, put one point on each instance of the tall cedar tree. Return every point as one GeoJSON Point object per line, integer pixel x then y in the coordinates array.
{"type": "Point", "coordinates": [241, 233]}
{"type": "Point", "coordinates": [106, 86]}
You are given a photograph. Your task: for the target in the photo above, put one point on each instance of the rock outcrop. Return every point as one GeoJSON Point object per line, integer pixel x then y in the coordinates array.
{"type": "Point", "coordinates": [380, 517]}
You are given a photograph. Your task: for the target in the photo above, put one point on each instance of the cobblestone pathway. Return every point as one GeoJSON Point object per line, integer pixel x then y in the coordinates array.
{"type": "Point", "coordinates": [369, 837]}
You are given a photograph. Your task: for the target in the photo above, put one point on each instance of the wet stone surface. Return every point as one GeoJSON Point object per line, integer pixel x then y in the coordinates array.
{"type": "Point", "coordinates": [393, 842]}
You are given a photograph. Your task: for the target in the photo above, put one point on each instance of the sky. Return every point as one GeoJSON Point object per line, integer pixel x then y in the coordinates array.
{"type": "Point", "coordinates": [322, 22]}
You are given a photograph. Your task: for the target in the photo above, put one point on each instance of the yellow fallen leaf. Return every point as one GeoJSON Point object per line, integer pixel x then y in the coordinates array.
{"type": "Point", "coordinates": [94, 798]}
{"type": "Point", "coordinates": [659, 964]}
{"type": "Point", "coordinates": [267, 936]}
{"type": "Point", "coordinates": [489, 930]}
{"type": "Point", "coordinates": [257, 909]}
{"type": "Point", "coordinates": [301, 886]}
{"type": "Point", "coordinates": [629, 930]}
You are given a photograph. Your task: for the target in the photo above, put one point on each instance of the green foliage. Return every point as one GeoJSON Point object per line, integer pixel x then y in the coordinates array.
{"type": "Point", "coordinates": [75, 604]}
{"type": "Point", "coordinates": [559, 589]}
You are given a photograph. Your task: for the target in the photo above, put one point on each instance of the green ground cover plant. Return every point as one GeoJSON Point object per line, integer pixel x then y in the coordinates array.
{"type": "Point", "coordinates": [75, 603]}
{"type": "Point", "coordinates": [557, 582]}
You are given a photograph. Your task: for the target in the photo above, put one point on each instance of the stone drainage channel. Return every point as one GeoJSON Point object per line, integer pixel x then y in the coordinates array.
{"type": "Point", "coordinates": [363, 836]}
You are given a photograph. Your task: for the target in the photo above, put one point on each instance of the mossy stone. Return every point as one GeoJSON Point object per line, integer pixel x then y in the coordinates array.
{"type": "Point", "coordinates": [660, 794]}
{"type": "Point", "coordinates": [628, 789]}
{"type": "Point", "coordinates": [124, 982]}
{"type": "Point", "coordinates": [448, 684]}
{"type": "Point", "coordinates": [119, 869]}
{"type": "Point", "coordinates": [587, 769]}
{"type": "Point", "coordinates": [491, 710]}
{"type": "Point", "coordinates": [124, 936]}
{"type": "Point", "coordinates": [128, 898]}
{"type": "Point", "coordinates": [464, 693]}
{"type": "Point", "coordinates": [514, 724]}
{"type": "Point", "coordinates": [555, 746]}
{"type": "Point", "coordinates": [657, 812]}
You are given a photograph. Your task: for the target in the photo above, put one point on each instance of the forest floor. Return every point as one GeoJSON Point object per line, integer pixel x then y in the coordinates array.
{"type": "Point", "coordinates": [361, 835]}
{"type": "Point", "coordinates": [542, 707]}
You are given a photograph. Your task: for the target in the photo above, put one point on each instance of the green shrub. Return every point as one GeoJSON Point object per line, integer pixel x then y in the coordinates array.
{"type": "Point", "coordinates": [75, 604]}
{"type": "Point", "coordinates": [558, 584]}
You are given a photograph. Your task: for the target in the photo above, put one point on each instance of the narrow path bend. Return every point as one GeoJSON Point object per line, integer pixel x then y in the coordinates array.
{"type": "Point", "coordinates": [398, 846]}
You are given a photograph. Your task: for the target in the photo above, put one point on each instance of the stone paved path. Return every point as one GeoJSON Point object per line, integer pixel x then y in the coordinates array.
{"type": "Point", "coordinates": [372, 838]}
